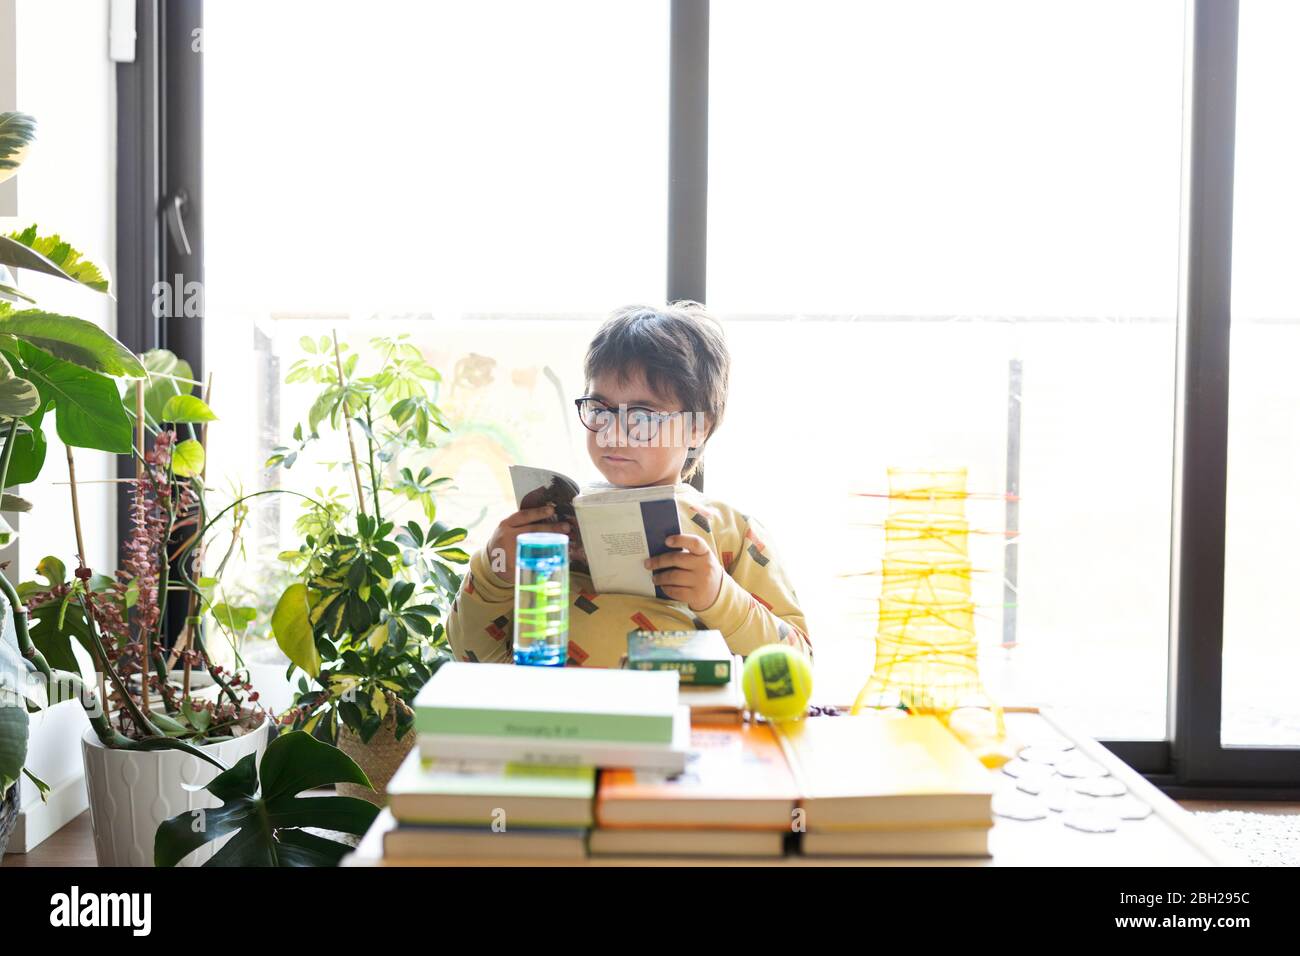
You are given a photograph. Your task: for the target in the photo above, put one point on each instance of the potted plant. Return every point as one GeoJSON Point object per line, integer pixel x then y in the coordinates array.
{"type": "Point", "coordinates": [64, 368]}
{"type": "Point", "coordinates": [120, 621]}
{"type": "Point", "coordinates": [51, 366]}
{"type": "Point", "coordinates": [362, 620]}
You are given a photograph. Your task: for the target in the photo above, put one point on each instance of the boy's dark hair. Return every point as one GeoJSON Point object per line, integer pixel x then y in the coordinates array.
{"type": "Point", "coordinates": [679, 348]}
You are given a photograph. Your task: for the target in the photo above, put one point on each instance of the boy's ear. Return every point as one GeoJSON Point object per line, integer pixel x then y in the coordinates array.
{"type": "Point", "coordinates": [701, 427]}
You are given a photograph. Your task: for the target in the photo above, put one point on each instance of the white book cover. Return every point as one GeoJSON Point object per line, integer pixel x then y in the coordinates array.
{"type": "Point", "coordinates": [612, 529]}
{"type": "Point", "coordinates": [513, 689]}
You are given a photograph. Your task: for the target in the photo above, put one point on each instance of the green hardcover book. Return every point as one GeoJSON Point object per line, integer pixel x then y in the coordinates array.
{"type": "Point", "coordinates": [548, 704]}
{"type": "Point", "coordinates": [700, 657]}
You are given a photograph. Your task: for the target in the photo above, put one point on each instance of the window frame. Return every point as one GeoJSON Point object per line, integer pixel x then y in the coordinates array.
{"type": "Point", "coordinates": [160, 150]}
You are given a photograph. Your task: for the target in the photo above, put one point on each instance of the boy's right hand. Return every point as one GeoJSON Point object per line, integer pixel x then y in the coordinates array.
{"type": "Point", "coordinates": [501, 547]}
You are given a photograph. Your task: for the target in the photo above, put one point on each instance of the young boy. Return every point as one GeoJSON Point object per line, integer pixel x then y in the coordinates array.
{"type": "Point", "coordinates": [656, 389]}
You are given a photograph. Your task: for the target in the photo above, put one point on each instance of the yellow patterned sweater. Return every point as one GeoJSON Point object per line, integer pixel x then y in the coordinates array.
{"type": "Point", "coordinates": [756, 604]}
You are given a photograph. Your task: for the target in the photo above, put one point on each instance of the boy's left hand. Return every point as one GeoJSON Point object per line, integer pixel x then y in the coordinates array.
{"type": "Point", "coordinates": [692, 575]}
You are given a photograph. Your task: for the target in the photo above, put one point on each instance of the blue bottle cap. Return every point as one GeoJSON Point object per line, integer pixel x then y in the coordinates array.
{"type": "Point", "coordinates": [541, 545]}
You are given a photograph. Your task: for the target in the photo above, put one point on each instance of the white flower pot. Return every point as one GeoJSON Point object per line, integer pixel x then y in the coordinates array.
{"type": "Point", "coordinates": [131, 792]}
{"type": "Point", "coordinates": [266, 666]}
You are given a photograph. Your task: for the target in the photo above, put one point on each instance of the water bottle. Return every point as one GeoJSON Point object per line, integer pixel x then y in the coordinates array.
{"type": "Point", "coordinates": [542, 599]}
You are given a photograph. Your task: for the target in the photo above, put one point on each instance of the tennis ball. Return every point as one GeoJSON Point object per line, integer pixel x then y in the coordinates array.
{"type": "Point", "coordinates": [778, 682]}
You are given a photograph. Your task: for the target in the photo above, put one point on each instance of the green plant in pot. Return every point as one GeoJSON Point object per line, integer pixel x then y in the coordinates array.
{"type": "Point", "coordinates": [63, 370]}
{"type": "Point", "coordinates": [52, 368]}
{"type": "Point", "coordinates": [141, 706]}
{"type": "Point", "coordinates": [363, 620]}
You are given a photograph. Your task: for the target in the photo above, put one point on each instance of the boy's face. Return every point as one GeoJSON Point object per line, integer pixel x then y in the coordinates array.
{"type": "Point", "coordinates": [631, 460]}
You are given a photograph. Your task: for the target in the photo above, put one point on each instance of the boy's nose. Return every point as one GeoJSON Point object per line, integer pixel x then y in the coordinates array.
{"type": "Point", "coordinates": [614, 435]}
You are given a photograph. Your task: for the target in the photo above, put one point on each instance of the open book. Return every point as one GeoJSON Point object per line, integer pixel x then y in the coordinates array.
{"type": "Point", "coordinates": [612, 529]}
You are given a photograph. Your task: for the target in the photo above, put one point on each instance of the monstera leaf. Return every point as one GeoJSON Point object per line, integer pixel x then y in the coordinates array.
{"type": "Point", "coordinates": [267, 817]}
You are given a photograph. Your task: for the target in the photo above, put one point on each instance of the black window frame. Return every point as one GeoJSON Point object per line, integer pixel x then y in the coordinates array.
{"type": "Point", "coordinates": [160, 155]}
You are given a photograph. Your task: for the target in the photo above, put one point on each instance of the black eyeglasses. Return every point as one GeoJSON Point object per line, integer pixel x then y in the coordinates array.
{"type": "Point", "coordinates": [639, 423]}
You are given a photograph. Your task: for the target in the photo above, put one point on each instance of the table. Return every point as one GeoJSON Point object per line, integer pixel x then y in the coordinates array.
{"type": "Point", "coordinates": [1170, 836]}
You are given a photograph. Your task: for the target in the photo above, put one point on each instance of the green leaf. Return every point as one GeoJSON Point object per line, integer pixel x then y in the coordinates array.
{"type": "Point", "coordinates": [18, 398]}
{"type": "Point", "coordinates": [17, 133]}
{"type": "Point", "coordinates": [88, 412]}
{"type": "Point", "coordinates": [344, 814]}
{"type": "Point", "coordinates": [236, 619]}
{"type": "Point", "coordinates": [50, 255]}
{"type": "Point", "coordinates": [188, 458]}
{"type": "Point", "coordinates": [168, 725]}
{"type": "Point", "coordinates": [29, 452]}
{"type": "Point", "coordinates": [53, 628]}
{"type": "Point", "coordinates": [295, 762]}
{"type": "Point", "coordinates": [13, 708]}
{"type": "Point", "coordinates": [13, 294]}
{"type": "Point", "coordinates": [184, 833]}
{"type": "Point", "coordinates": [239, 781]}
{"type": "Point", "coordinates": [267, 829]}
{"type": "Point", "coordinates": [200, 720]}
{"type": "Point", "coordinates": [14, 503]}
{"type": "Point", "coordinates": [291, 625]}
{"type": "Point", "coordinates": [450, 537]}
{"type": "Point", "coordinates": [300, 848]}
{"type": "Point", "coordinates": [52, 569]}
{"type": "Point", "coordinates": [168, 377]}
{"type": "Point", "coordinates": [186, 408]}
{"type": "Point", "coordinates": [73, 340]}
{"type": "Point", "coordinates": [13, 738]}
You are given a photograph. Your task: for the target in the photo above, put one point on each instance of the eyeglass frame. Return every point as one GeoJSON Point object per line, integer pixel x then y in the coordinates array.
{"type": "Point", "coordinates": [657, 418]}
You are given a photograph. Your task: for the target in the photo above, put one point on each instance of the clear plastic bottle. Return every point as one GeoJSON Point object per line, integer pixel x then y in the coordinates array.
{"type": "Point", "coordinates": [542, 599]}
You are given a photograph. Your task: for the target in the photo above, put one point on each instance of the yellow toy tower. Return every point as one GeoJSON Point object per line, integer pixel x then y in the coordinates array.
{"type": "Point", "coordinates": [927, 658]}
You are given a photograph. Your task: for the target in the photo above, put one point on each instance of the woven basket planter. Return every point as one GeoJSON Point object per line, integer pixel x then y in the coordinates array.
{"type": "Point", "coordinates": [379, 759]}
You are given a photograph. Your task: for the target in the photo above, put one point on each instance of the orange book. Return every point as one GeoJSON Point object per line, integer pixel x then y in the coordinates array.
{"type": "Point", "coordinates": [736, 777]}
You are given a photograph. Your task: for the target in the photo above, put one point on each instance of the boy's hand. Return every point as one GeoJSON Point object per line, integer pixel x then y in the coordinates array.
{"type": "Point", "coordinates": [501, 547]}
{"type": "Point", "coordinates": [692, 575]}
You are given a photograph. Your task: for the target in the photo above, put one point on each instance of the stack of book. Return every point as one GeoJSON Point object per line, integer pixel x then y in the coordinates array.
{"type": "Point", "coordinates": [887, 784]}
{"type": "Point", "coordinates": [506, 757]}
{"type": "Point", "coordinates": [735, 798]}
{"type": "Point", "coordinates": [558, 764]}
{"type": "Point", "coordinates": [488, 809]}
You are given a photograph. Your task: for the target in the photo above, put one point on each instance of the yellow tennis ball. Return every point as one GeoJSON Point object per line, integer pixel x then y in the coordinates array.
{"type": "Point", "coordinates": [778, 682]}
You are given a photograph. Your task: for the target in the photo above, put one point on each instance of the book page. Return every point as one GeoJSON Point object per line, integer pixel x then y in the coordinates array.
{"type": "Point", "coordinates": [535, 487]}
{"type": "Point", "coordinates": [617, 538]}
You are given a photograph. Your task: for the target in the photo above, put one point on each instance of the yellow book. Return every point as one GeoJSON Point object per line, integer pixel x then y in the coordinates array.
{"type": "Point", "coordinates": [885, 771]}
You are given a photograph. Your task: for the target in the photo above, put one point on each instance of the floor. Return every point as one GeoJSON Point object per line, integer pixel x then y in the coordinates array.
{"type": "Point", "coordinates": [1267, 833]}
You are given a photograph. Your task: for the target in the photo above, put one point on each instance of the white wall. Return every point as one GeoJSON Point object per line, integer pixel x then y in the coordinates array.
{"type": "Point", "coordinates": [67, 185]}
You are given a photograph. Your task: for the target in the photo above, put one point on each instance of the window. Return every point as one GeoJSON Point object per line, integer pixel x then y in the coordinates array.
{"type": "Point", "coordinates": [1261, 652]}
{"type": "Point", "coordinates": [489, 178]}
{"type": "Point", "coordinates": [990, 235]}
{"type": "Point", "coordinates": [957, 225]}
